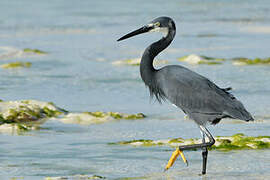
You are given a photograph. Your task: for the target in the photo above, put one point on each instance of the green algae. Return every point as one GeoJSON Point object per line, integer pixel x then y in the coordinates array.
{"type": "Point", "coordinates": [17, 178]}
{"type": "Point", "coordinates": [20, 127]}
{"type": "Point", "coordinates": [136, 62]}
{"type": "Point", "coordinates": [4, 121]}
{"type": "Point", "coordinates": [1, 118]}
{"type": "Point", "coordinates": [98, 117]}
{"type": "Point", "coordinates": [199, 59]}
{"type": "Point", "coordinates": [16, 64]}
{"type": "Point", "coordinates": [25, 115]}
{"type": "Point", "coordinates": [212, 58]}
{"type": "Point", "coordinates": [26, 101]}
{"type": "Point", "coordinates": [36, 51]}
{"type": "Point", "coordinates": [76, 177]}
{"type": "Point", "coordinates": [131, 62]}
{"type": "Point", "coordinates": [58, 108]}
{"type": "Point", "coordinates": [141, 142]}
{"type": "Point", "coordinates": [240, 141]}
{"type": "Point", "coordinates": [51, 113]}
{"type": "Point", "coordinates": [183, 58]}
{"type": "Point", "coordinates": [246, 61]}
{"type": "Point", "coordinates": [133, 178]}
{"type": "Point", "coordinates": [116, 115]}
{"type": "Point", "coordinates": [176, 140]}
{"type": "Point", "coordinates": [20, 119]}
{"type": "Point", "coordinates": [209, 63]}
{"type": "Point", "coordinates": [131, 116]}
{"type": "Point", "coordinates": [98, 177]}
{"type": "Point", "coordinates": [223, 143]}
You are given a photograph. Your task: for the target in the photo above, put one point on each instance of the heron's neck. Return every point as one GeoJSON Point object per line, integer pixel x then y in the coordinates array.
{"type": "Point", "coordinates": [147, 69]}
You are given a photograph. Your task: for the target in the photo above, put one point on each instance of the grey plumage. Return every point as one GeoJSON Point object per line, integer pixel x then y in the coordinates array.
{"type": "Point", "coordinates": [198, 97]}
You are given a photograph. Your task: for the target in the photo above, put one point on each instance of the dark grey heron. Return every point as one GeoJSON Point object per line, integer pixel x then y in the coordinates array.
{"type": "Point", "coordinates": [198, 97]}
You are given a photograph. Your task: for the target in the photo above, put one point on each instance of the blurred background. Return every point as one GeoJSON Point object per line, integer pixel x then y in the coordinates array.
{"type": "Point", "coordinates": [78, 74]}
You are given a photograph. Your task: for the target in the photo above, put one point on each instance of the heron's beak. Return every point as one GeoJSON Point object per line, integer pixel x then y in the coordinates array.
{"type": "Point", "coordinates": [143, 29]}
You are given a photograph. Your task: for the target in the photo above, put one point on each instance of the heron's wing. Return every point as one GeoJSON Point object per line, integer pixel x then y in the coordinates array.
{"type": "Point", "coordinates": [194, 93]}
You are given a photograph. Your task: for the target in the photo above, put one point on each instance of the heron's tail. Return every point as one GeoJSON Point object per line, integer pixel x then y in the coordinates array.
{"type": "Point", "coordinates": [238, 111]}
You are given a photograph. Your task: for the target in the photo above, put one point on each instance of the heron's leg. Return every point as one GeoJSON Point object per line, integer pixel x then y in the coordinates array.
{"type": "Point", "coordinates": [204, 154]}
{"type": "Point", "coordinates": [204, 144]}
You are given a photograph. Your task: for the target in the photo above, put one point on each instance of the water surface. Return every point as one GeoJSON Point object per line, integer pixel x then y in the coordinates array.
{"type": "Point", "coordinates": [77, 75]}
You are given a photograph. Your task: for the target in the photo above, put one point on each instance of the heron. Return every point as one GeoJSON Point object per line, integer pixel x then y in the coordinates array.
{"type": "Point", "coordinates": [199, 98]}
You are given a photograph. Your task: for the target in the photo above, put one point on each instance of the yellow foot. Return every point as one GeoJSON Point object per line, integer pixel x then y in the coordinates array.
{"type": "Point", "coordinates": [173, 158]}
{"type": "Point", "coordinates": [183, 157]}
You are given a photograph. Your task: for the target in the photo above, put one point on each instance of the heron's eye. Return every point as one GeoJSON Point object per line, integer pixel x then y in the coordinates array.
{"type": "Point", "coordinates": [157, 24]}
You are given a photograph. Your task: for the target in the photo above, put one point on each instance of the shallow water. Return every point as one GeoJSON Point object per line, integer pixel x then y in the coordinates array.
{"type": "Point", "coordinates": [77, 75]}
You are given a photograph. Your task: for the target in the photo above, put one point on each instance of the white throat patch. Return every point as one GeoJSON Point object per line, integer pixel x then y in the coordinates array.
{"type": "Point", "coordinates": [163, 30]}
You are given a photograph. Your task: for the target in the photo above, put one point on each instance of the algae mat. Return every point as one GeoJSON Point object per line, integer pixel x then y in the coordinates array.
{"type": "Point", "coordinates": [223, 143]}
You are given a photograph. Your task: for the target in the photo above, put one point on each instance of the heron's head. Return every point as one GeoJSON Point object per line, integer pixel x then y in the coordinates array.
{"type": "Point", "coordinates": [160, 24]}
